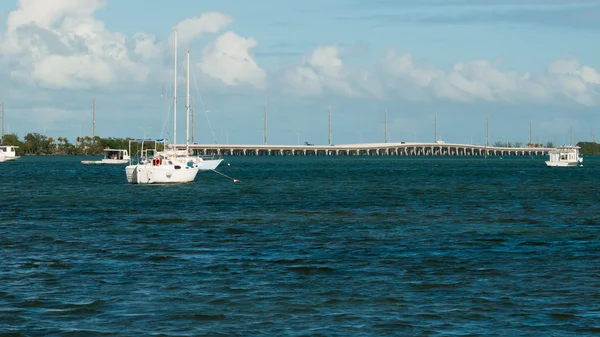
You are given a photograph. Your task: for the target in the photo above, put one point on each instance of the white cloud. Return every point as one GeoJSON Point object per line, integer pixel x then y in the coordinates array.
{"type": "Point", "coordinates": [323, 72]}
{"type": "Point", "coordinates": [145, 46]}
{"type": "Point", "coordinates": [320, 71]}
{"type": "Point", "coordinates": [59, 44]}
{"type": "Point", "coordinates": [47, 14]}
{"type": "Point", "coordinates": [210, 22]}
{"type": "Point", "coordinates": [229, 60]}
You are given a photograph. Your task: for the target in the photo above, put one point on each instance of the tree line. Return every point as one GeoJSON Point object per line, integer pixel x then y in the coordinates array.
{"type": "Point", "coordinates": [589, 148]}
{"type": "Point", "coordinates": [38, 144]}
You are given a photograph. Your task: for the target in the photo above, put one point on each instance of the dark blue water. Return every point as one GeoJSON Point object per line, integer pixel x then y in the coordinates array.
{"type": "Point", "coordinates": [302, 246]}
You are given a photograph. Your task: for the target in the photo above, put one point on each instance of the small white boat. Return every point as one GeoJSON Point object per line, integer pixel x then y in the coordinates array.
{"type": "Point", "coordinates": [565, 156]}
{"type": "Point", "coordinates": [8, 153]}
{"type": "Point", "coordinates": [153, 167]}
{"type": "Point", "coordinates": [111, 156]}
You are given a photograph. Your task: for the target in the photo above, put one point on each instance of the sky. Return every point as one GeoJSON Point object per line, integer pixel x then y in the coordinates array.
{"type": "Point", "coordinates": [516, 63]}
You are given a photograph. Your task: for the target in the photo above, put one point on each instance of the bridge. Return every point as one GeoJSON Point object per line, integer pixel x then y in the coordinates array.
{"type": "Point", "coordinates": [365, 149]}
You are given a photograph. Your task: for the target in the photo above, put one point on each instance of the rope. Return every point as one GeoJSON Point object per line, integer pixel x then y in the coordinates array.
{"type": "Point", "coordinates": [224, 175]}
{"type": "Point", "coordinates": [203, 106]}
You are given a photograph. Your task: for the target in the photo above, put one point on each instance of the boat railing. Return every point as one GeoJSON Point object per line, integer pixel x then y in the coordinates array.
{"type": "Point", "coordinates": [211, 157]}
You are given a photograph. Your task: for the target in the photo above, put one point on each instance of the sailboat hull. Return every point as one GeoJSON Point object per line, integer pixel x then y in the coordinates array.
{"type": "Point", "coordinates": [164, 174]}
{"type": "Point", "coordinates": [208, 165]}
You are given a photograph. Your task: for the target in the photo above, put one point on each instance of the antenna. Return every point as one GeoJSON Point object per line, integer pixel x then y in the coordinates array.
{"type": "Point", "coordinates": [329, 125]}
{"type": "Point", "coordinates": [94, 117]}
{"type": "Point", "coordinates": [265, 125]}
{"type": "Point", "coordinates": [385, 136]}
{"type": "Point", "coordinates": [175, 90]}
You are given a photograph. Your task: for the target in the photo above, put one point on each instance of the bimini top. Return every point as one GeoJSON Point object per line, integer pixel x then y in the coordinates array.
{"type": "Point", "coordinates": [565, 148]}
{"type": "Point", "coordinates": [139, 140]}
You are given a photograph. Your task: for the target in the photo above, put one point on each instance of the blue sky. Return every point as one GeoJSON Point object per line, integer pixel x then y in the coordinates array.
{"type": "Point", "coordinates": [468, 60]}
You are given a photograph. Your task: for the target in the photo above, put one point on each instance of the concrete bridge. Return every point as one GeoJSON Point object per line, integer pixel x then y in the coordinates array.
{"type": "Point", "coordinates": [367, 149]}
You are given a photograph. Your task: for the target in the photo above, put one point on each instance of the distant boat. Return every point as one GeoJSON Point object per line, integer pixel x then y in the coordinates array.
{"type": "Point", "coordinates": [8, 153]}
{"type": "Point", "coordinates": [565, 156]}
{"type": "Point", "coordinates": [111, 156]}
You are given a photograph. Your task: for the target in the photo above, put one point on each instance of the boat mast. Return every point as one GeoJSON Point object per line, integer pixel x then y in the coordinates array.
{"type": "Point", "coordinates": [187, 102]}
{"type": "Point", "coordinates": [193, 113]}
{"type": "Point", "coordinates": [2, 139]}
{"type": "Point", "coordinates": [175, 91]}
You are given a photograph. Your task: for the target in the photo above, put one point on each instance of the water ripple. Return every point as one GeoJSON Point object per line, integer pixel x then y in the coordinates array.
{"type": "Point", "coordinates": [303, 247]}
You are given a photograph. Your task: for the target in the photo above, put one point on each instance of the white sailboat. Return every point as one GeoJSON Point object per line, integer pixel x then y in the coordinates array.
{"type": "Point", "coordinates": [154, 167]}
{"type": "Point", "coordinates": [185, 156]}
{"type": "Point", "coordinates": [167, 166]}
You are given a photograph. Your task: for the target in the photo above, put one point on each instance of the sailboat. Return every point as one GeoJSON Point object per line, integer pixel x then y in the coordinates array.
{"type": "Point", "coordinates": [185, 156]}
{"type": "Point", "coordinates": [169, 165]}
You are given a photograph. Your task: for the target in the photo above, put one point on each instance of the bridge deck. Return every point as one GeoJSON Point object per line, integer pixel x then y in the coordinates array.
{"type": "Point", "coordinates": [404, 148]}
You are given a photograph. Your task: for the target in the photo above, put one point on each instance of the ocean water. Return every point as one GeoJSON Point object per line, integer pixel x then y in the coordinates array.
{"type": "Point", "coordinates": [303, 246]}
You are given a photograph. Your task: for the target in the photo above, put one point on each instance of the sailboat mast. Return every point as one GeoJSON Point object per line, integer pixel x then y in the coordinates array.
{"type": "Point", "coordinates": [193, 127]}
{"type": "Point", "coordinates": [175, 90]}
{"type": "Point", "coordinates": [187, 101]}
{"type": "Point", "coordinates": [2, 140]}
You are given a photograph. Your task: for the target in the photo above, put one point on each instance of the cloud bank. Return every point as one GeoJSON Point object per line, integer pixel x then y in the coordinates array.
{"type": "Point", "coordinates": [60, 44]}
